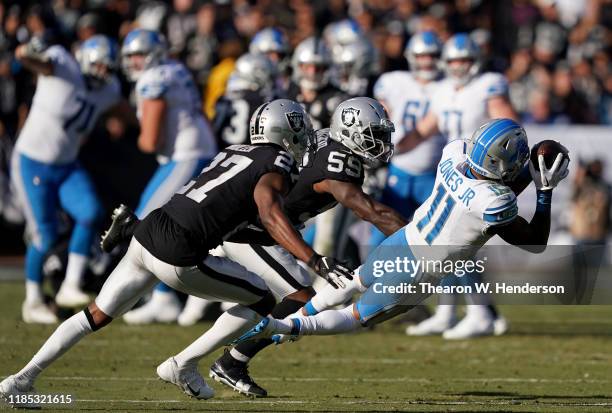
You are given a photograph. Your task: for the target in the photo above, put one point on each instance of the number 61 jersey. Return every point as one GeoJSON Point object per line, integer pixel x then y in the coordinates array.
{"type": "Point", "coordinates": [452, 223]}
{"type": "Point", "coordinates": [214, 205]}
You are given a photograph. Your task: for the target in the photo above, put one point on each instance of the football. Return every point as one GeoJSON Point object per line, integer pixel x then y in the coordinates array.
{"type": "Point", "coordinates": [550, 149]}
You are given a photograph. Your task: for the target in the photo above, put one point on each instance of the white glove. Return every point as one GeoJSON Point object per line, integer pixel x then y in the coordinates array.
{"type": "Point", "coordinates": [547, 179]}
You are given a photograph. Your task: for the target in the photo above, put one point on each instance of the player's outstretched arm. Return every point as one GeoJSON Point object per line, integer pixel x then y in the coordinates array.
{"type": "Point", "coordinates": [425, 129]}
{"type": "Point", "coordinates": [33, 60]}
{"type": "Point", "coordinates": [386, 219]}
{"type": "Point", "coordinates": [153, 112]}
{"type": "Point", "coordinates": [268, 197]}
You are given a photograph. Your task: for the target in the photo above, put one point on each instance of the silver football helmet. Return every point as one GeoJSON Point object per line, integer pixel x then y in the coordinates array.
{"type": "Point", "coordinates": [273, 43]}
{"type": "Point", "coordinates": [363, 126]}
{"type": "Point", "coordinates": [461, 47]}
{"type": "Point", "coordinates": [148, 43]}
{"type": "Point", "coordinates": [341, 33]}
{"type": "Point", "coordinates": [282, 122]}
{"type": "Point", "coordinates": [253, 71]}
{"type": "Point", "coordinates": [498, 150]}
{"type": "Point", "coordinates": [311, 51]}
{"type": "Point", "coordinates": [97, 57]}
{"type": "Point", "coordinates": [358, 58]}
{"type": "Point", "coordinates": [424, 43]}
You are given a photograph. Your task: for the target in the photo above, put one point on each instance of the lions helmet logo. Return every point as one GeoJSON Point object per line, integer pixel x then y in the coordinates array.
{"type": "Point", "coordinates": [349, 116]}
{"type": "Point", "coordinates": [296, 121]}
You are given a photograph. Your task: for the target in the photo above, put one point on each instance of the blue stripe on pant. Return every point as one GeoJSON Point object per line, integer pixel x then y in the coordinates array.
{"type": "Point", "coordinates": [404, 192]}
{"type": "Point", "coordinates": [43, 189]}
{"type": "Point", "coordinates": [165, 182]}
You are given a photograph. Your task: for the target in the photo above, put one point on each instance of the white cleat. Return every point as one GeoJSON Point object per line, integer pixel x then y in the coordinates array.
{"type": "Point", "coordinates": [500, 326]}
{"type": "Point", "coordinates": [15, 392]}
{"type": "Point", "coordinates": [434, 325]}
{"type": "Point", "coordinates": [470, 327]}
{"type": "Point", "coordinates": [71, 296]}
{"type": "Point", "coordinates": [163, 307]}
{"type": "Point", "coordinates": [37, 313]}
{"type": "Point", "coordinates": [188, 379]}
{"type": "Point", "coordinates": [194, 310]}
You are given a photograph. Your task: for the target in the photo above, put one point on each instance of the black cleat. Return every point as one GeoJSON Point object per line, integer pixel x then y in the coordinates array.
{"type": "Point", "coordinates": [121, 229]}
{"type": "Point", "coordinates": [235, 374]}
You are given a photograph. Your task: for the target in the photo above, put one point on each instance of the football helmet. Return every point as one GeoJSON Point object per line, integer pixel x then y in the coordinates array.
{"type": "Point", "coordinates": [363, 126]}
{"type": "Point", "coordinates": [341, 33]}
{"type": "Point", "coordinates": [460, 46]}
{"type": "Point", "coordinates": [148, 43]}
{"type": "Point", "coordinates": [312, 52]}
{"type": "Point", "coordinates": [282, 122]}
{"type": "Point", "coordinates": [273, 43]}
{"type": "Point", "coordinates": [424, 43]}
{"type": "Point", "coordinates": [358, 58]}
{"type": "Point", "coordinates": [97, 57]}
{"type": "Point", "coordinates": [253, 71]}
{"type": "Point", "coordinates": [498, 150]}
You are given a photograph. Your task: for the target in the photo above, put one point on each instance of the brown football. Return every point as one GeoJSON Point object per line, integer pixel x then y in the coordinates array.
{"type": "Point", "coordinates": [550, 149]}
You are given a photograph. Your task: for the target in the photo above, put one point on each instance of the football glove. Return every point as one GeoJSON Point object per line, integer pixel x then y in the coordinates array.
{"type": "Point", "coordinates": [331, 270]}
{"type": "Point", "coordinates": [547, 179]}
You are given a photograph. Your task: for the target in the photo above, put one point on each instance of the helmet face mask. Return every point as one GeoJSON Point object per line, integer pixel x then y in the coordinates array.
{"type": "Point", "coordinates": [363, 126]}
{"type": "Point", "coordinates": [498, 150]}
{"type": "Point", "coordinates": [461, 59]}
{"type": "Point", "coordinates": [311, 62]}
{"type": "Point", "coordinates": [141, 50]}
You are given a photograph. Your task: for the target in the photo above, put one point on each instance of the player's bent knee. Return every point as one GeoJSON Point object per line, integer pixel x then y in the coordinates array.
{"type": "Point", "coordinates": [264, 306]}
{"type": "Point", "coordinates": [96, 317]}
{"type": "Point", "coordinates": [303, 295]}
{"type": "Point", "coordinates": [385, 315]}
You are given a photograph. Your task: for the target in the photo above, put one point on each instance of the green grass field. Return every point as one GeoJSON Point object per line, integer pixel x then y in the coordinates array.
{"type": "Point", "coordinates": [556, 359]}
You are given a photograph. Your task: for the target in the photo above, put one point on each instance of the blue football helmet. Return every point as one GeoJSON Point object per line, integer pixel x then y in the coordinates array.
{"type": "Point", "coordinates": [149, 43]}
{"type": "Point", "coordinates": [273, 43]}
{"type": "Point", "coordinates": [460, 46]}
{"type": "Point", "coordinates": [424, 43]}
{"type": "Point", "coordinates": [98, 57]}
{"type": "Point", "coordinates": [498, 150]}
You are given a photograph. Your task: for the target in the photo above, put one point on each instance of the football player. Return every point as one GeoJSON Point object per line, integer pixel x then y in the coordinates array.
{"type": "Point", "coordinates": [70, 96]}
{"type": "Point", "coordinates": [274, 44]}
{"type": "Point", "coordinates": [355, 66]}
{"type": "Point", "coordinates": [471, 203]}
{"type": "Point", "coordinates": [242, 185]}
{"type": "Point", "coordinates": [407, 95]}
{"type": "Point", "coordinates": [250, 85]}
{"type": "Point", "coordinates": [173, 127]}
{"type": "Point", "coordinates": [462, 102]}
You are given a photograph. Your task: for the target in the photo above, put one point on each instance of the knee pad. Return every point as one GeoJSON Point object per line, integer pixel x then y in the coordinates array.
{"type": "Point", "coordinates": [264, 306]}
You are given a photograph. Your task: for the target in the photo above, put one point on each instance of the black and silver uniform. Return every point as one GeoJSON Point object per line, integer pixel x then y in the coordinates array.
{"type": "Point", "coordinates": [331, 160]}
{"type": "Point", "coordinates": [213, 206]}
{"type": "Point", "coordinates": [232, 114]}
{"type": "Point", "coordinates": [322, 107]}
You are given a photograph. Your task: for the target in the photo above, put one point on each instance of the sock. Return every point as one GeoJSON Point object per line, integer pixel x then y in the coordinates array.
{"type": "Point", "coordinates": [493, 311]}
{"type": "Point", "coordinates": [329, 296]}
{"type": "Point", "coordinates": [236, 355]}
{"type": "Point", "coordinates": [75, 269]}
{"type": "Point", "coordinates": [63, 338]}
{"type": "Point", "coordinates": [445, 311]}
{"type": "Point", "coordinates": [34, 292]}
{"type": "Point", "coordinates": [480, 311]}
{"type": "Point", "coordinates": [231, 325]}
{"type": "Point", "coordinates": [247, 350]}
{"type": "Point", "coordinates": [328, 322]}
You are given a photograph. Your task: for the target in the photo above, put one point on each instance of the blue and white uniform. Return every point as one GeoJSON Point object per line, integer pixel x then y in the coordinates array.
{"type": "Point", "coordinates": [451, 225]}
{"type": "Point", "coordinates": [188, 143]}
{"type": "Point", "coordinates": [412, 174]}
{"type": "Point", "coordinates": [45, 169]}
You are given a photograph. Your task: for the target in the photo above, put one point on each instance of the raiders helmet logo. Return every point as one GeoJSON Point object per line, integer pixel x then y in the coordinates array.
{"type": "Point", "coordinates": [349, 116]}
{"type": "Point", "coordinates": [296, 121]}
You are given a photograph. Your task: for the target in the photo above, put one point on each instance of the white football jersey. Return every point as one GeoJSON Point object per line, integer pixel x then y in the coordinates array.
{"type": "Point", "coordinates": [461, 111]}
{"type": "Point", "coordinates": [408, 101]}
{"type": "Point", "coordinates": [186, 134]}
{"type": "Point", "coordinates": [63, 111]}
{"type": "Point", "coordinates": [452, 223]}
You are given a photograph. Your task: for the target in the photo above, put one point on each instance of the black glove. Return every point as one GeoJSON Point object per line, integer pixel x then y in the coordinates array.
{"type": "Point", "coordinates": [331, 270]}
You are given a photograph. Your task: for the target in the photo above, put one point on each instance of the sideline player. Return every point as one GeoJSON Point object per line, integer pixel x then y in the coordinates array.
{"type": "Point", "coordinates": [70, 96]}
{"type": "Point", "coordinates": [471, 203]}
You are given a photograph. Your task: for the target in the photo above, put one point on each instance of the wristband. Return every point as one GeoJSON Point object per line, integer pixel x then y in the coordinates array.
{"type": "Point", "coordinates": [312, 262]}
{"type": "Point", "coordinates": [544, 200]}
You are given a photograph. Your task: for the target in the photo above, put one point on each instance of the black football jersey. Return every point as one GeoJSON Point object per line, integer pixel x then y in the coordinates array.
{"type": "Point", "coordinates": [323, 106]}
{"type": "Point", "coordinates": [331, 160]}
{"type": "Point", "coordinates": [214, 205]}
{"type": "Point", "coordinates": [232, 115]}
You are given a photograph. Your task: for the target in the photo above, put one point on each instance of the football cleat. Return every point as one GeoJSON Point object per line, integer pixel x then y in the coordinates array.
{"type": "Point", "coordinates": [163, 307]}
{"type": "Point", "coordinates": [37, 313]}
{"type": "Point", "coordinates": [188, 379]}
{"type": "Point", "coordinates": [235, 374]}
{"type": "Point", "coordinates": [71, 296]}
{"type": "Point", "coordinates": [434, 325]}
{"type": "Point", "coordinates": [470, 327]}
{"type": "Point", "coordinates": [121, 229]}
{"type": "Point", "coordinates": [15, 392]}
{"type": "Point", "coordinates": [259, 331]}
{"type": "Point", "coordinates": [500, 326]}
